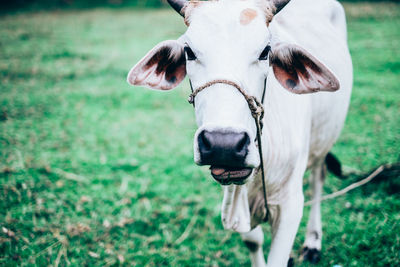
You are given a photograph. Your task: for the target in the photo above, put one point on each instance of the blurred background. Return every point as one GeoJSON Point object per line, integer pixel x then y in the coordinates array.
{"type": "Point", "coordinates": [55, 4]}
{"type": "Point", "coordinates": [94, 172]}
{"type": "Point", "coordinates": [51, 4]}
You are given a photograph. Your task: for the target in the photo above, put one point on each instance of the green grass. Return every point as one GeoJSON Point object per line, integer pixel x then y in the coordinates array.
{"type": "Point", "coordinates": [94, 172]}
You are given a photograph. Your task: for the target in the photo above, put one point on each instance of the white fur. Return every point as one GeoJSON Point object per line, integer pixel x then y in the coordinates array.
{"type": "Point", "coordinates": [256, 236]}
{"type": "Point", "coordinates": [314, 225]}
{"type": "Point", "coordinates": [235, 213]}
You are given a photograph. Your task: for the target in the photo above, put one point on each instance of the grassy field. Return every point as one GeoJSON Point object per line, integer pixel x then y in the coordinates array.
{"type": "Point", "coordinates": [96, 173]}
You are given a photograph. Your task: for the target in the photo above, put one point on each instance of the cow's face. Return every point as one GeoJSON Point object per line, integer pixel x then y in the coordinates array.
{"type": "Point", "coordinates": [229, 40]}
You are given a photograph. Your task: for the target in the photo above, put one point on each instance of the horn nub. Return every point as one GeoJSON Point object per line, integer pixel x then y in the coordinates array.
{"type": "Point", "coordinates": [279, 4]}
{"type": "Point", "coordinates": [272, 7]}
{"type": "Point", "coordinates": [178, 5]}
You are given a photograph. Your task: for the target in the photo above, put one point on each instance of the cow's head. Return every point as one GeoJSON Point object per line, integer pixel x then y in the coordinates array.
{"type": "Point", "coordinates": [229, 40]}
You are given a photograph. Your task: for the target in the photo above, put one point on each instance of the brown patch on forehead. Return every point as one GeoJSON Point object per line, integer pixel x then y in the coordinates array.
{"type": "Point", "coordinates": [247, 16]}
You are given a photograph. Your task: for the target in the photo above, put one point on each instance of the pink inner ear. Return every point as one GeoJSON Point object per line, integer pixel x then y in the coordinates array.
{"type": "Point", "coordinates": [300, 73]}
{"type": "Point", "coordinates": [162, 68]}
{"type": "Point", "coordinates": [286, 77]}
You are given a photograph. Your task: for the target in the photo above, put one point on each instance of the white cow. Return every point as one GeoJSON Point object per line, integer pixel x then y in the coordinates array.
{"type": "Point", "coordinates": [302, 49]}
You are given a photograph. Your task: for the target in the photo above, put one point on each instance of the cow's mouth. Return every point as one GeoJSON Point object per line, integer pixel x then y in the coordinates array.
{"type": "Point", "coordinates": [230, 175]}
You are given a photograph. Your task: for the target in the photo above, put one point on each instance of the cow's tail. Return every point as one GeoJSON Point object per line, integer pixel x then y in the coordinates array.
{"type": "Point", "coordinates": [333, 165]}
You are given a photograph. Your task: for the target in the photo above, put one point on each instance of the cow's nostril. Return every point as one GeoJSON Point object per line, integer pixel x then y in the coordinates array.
{"type": "Point", "coordinates": [243, 143]}
{"type": "Point", "coordinates": [205, 141]}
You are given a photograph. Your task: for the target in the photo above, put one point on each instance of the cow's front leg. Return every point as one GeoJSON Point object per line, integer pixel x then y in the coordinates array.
{"type": "Point", "coordinates": [254, 241]}
{"type": "Point", "coordinates": [285, 219]}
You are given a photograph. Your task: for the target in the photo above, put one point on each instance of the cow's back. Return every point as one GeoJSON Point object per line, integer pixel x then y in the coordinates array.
{"type": "Point", "coordinates": [320, 28]}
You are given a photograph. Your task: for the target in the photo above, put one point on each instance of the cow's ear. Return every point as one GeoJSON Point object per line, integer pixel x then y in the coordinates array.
{"type": "Point", "coordinates": [299, 72]}
{"type": "Point", "coordinates": [163, 68]}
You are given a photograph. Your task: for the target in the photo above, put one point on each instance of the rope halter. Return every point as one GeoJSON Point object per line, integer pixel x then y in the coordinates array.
{"type": "Point", "coordinates": [257, 112]}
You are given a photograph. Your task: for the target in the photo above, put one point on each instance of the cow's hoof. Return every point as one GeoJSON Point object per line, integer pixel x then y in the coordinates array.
{"type": "Point", "coordinates": [290, 262]}
{"type": "Point", "coordinates": [311, 255]}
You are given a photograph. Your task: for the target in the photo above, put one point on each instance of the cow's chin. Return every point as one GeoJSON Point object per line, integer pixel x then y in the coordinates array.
{"type": "Point", "coordinates": [226, 175]}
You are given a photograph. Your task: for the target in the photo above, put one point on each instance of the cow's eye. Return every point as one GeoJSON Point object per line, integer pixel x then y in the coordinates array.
{"type": "Point", "coordinates": [264, 53]}
{"type": "Point", "coordinates": [189, 53]}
